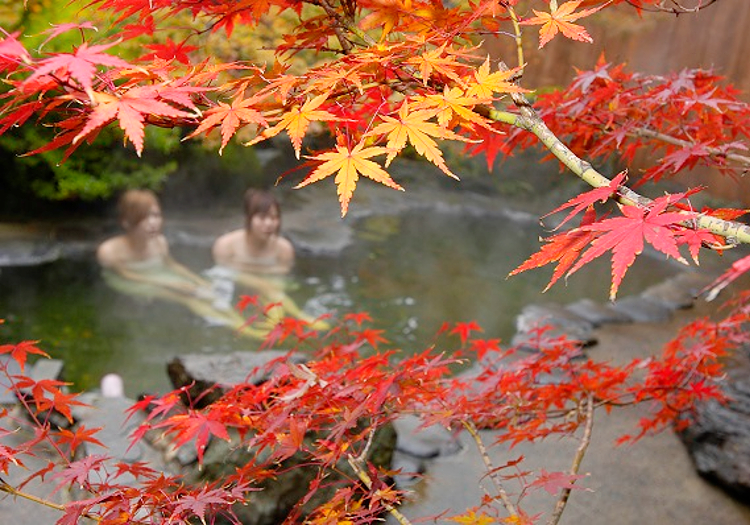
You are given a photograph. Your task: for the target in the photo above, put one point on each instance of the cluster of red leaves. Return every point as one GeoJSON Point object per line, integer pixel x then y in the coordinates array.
{"type": "Point", "coordinates": [684, 120]}
{"type": "Point", "coordinates": [326, 410]}
{"type": "Point", "coordinates": [665, 225]}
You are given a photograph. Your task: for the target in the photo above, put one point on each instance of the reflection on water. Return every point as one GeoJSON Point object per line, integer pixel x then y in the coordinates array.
{"type": "Point", "coordinates": [410, 272]}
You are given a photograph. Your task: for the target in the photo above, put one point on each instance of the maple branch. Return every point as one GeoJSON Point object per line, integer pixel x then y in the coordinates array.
{"type": "Point", "coordinates": [9, 489]}
{"type": "Point", "coordinates": [647, 133]}
{"type": "Point", "coordinates": [517, 38]}
{"type": "Point", "coordinates": [529, 120]}
{"type": "Point", "coordinates": [491, 472]}
{"type": "Point", "coordinates": [577, 459]}
{"type": "Point", "coordinates": [344, 23]}
{"type": "Point", "coordinates": [676, 9]}
{"type": "Point", "coordinates": [6, 487]}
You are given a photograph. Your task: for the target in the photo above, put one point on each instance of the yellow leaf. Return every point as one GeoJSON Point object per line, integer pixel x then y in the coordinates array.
{"type": "Point", "coordinates": [415, 128]}
{"type": "Point", "coordinates": [296, 122]}
{"type": "Point", "coordinates": [452, 102]}
{"type": "Point", "coordinates": [471, 518]}
{"type": "Point", "coordinates": [348, 166]}
{"type": "Point", "coordinates": [485, 84]}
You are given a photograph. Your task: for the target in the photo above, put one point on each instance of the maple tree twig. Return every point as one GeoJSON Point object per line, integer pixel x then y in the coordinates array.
{"type": "Point", "coordinates": [577, 459]}
{"type": "Point", "coordinates": [509, 506]}
{"type": "Point", "coordinates": [676, 9]}
{"type": "Point", "coordinates": [517, 38]}
{"type": "Point", "coordinates": [356, 464]}
{"type": "Point", "coordinates": [669, 139]}
{"type": "Point", "coordinates": [344, 23]}
{"type": "Point", "coordinates": [8, 488]}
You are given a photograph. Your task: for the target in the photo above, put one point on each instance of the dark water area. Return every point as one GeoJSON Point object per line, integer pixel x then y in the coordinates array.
{"type": "Point", "coordinates": [412, 272]}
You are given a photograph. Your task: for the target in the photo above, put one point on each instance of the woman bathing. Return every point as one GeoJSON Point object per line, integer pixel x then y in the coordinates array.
{"type": "Point", "coordinates": [138, 262]}
{"type": "Point", "coordinates": [257, 256]}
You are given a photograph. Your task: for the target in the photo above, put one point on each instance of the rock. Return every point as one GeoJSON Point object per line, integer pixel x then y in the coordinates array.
{"type": "Point", "coordinates": [116, 424]}
{"type": "Point", "coordinates": [423, 442]}
{"type": "Point", "coordinates": [408, 469]}
{"type": "Point", "coordinates": [9, 367]}
{"type": "Point", "coordinates": [643, 310]}
{"type": "Point", "coordinates": [202, 373]}
{"type": "Point", "coordinates": [718, 435]}
{"type": "Point", "coordinates": [561, 320]}
{"type": "Point", "coordinates": [279, 495]}
{"type": "Point", "coordinates": [598, 313]}
{"type": "Point", "coordinates": [678, 292]}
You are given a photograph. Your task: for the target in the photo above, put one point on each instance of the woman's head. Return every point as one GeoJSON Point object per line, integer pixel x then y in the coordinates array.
{"type": "Point", "coordinates": [262, 210]}
{"type": "Point", "coordinates": [137, 205]}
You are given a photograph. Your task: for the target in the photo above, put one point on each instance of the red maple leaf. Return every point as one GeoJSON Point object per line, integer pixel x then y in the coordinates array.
{"type": "Point", "coordinates": [563, 248]}
{"type": "Point", "coordinates": [170, 50]}
{"type": "Point", "coordinates": [80, 65]}
{"type": "Point", "coordinates": [737, 269]}
{"type": "Point", "coordinates": [131, 110]}
{"type": "Point", "coordinates": [624, 236]}
{"type": "Point", "coordinates": [11, 51]}
{"type": "Point", "coordinates": [584, 200]}
{"type": "Point", "coordinates": [554, 482]}
{"type": "Point", "coordinates": [21, 351]}
{"type": "Point", "coordinates": [196, 425]}
{"type": "Point", "coordinates": [464, 330]}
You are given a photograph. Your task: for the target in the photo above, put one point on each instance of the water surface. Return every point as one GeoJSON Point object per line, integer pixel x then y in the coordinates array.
{"type": "Point", "coordinates": [411, 272]}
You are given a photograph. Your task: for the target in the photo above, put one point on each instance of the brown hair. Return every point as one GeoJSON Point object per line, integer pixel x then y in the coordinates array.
{"type": "Point", "coordinates": [259, 201]}
{"type": "Point", "coordinates": [135, 205]}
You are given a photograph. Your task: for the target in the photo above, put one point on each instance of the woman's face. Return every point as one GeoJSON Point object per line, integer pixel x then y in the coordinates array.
{"type": "Point", "coordinates": [265, 224]}
{"type": "Point", "coordinates": [150, 225]}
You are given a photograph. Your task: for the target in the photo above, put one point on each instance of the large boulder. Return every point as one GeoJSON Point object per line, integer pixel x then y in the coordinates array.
{"type": "Point", "coordinates": [207, 376]}
{"type": "Point", "coordinates": [718, 434]}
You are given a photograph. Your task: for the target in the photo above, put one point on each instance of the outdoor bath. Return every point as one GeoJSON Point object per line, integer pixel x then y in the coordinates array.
{"type": "Point", "coordinates": [443, 257]}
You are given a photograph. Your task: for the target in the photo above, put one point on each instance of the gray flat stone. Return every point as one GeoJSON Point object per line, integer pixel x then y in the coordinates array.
{"type": "Point", "coordinates": [598, 313]}
{"type": "Point", "coordinates": [11, 368]}
{"type": "Point", "coordinates": [678, 292]}
{"type": "Point", "coordinates": [643, 310]}
{"type": "Point", "coordinates": [561, 321]}
{"type": "Point", "coordinates": [203, 373]}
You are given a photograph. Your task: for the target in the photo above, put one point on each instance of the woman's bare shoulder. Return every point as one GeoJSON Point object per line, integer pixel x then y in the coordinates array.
{"type": "Point", "coordinates": [226, 245]}
{"type": "Point", "coordinates": [112, 252]}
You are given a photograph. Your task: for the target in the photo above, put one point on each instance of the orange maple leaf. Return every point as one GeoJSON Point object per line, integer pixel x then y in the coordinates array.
{"type": "Point", "coordinates": [348, 165]}
{"type": "Point", "coordinates": [560, 19]}
{"type": "Point", "coordinates": [230, 118]}
{"type": "Point", "coordinates": [386, 16]}
{"type": "Point", "coordinates": [415, 128]}
{"type": "Point", "coordinates": [438, 60]}
{"type": "Point", "coordinates": [296, 121]}
{"type": "Point", "coordinates": [452, 102]}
